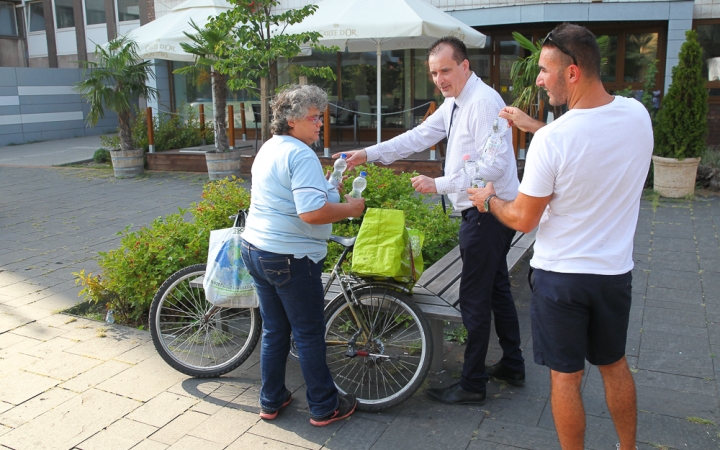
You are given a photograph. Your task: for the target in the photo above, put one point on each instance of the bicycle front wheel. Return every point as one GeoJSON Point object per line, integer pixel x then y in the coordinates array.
{"type": "Point", "coordinates": [378, 348]}
{"type": "Point", "coordinates": [192, 337]}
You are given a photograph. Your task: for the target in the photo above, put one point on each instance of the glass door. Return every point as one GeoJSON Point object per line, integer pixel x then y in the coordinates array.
{"type": "Point", "coordinates": [505, 52]}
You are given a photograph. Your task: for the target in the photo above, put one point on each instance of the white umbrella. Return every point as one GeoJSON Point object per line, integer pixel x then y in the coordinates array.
{"type": "Point", "coordinates": [366, 25]}
{"type": "Point", "coordinates": [161, 38]}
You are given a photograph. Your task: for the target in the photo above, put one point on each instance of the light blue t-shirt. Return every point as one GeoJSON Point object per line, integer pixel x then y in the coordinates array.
{"type": "Point", "coordinates": [288, 180]}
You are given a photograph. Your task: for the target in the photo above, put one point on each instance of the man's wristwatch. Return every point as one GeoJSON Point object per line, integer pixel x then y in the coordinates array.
{"type": "Point", "coordinates": [486, 205]}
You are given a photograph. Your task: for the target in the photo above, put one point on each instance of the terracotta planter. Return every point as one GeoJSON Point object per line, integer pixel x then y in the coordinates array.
{"type": "Point", "coordinates": [674, 178]}
{"type": "Point", "coordinates": [128, 163]}
{"type": "Point", "coordinates": [223, 165]}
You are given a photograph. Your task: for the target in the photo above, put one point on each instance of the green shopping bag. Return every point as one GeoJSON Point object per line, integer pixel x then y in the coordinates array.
{"type": "Point", "coordinates": [385, 248]}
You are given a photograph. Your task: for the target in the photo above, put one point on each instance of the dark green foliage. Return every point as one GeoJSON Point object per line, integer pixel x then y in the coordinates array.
{"type": "Point", "coordinates": [172, 131]}
{"type": "Point", "coordinates": [132, 273]}
{"type": "Point", "coordinates": [682, 119]}
{"type": "Point", "coordinates": [101, 156]}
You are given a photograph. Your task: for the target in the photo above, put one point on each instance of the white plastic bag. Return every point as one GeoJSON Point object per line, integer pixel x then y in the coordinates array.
{"type": "Point", "coordinates": [227, 282]}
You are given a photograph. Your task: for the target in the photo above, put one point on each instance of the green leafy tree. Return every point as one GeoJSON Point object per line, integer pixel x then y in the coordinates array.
{"type": "Point", "coordinates": [682, 119]}
{"type": "Point", "coordinates": [523, 74]}
{"type": "Point", "coordinates": [114, 80]}
{"type": "Point", "coordinates": [204, 46]}
{"type": "Point", "coordinates": [258, 40]}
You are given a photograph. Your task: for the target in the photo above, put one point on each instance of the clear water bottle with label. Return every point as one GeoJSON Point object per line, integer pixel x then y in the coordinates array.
{"type": "Point", "coordinates": [359, 185]}
{"type": "Point", "coordinates": [495, 141]}
{"type": "Point", "coordinates": [472, 170]}
{"type": "Point", "coordinates": [110, 316]}
{"type": "Point", "coordinates": [337, 174]}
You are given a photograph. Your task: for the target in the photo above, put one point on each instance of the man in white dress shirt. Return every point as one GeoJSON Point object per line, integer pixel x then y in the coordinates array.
{"type": "Point", "coordinates": [466, 118]}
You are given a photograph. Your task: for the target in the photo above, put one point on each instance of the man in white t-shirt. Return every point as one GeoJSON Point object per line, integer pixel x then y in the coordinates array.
{"type": "Point", "coordinates": [582, 185]}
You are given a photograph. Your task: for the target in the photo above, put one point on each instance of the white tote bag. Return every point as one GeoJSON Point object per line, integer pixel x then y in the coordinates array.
{"type": "Point", "coordinates": [227, 282]}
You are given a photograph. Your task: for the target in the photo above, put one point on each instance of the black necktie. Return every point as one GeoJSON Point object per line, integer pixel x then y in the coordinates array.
{"type": "Point", "coordinates": [452, 116]}
{"type": "Point", "coordinates": [442, 166]}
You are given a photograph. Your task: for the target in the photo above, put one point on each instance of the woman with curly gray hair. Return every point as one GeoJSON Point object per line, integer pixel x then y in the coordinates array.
{"type": "Point", "coordinates": [285, 243]}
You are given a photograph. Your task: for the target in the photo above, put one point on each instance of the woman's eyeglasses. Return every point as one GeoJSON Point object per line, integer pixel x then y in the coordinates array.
{"type": "Point", "coordinates": [315, 119]}
{"type": "Point", "coordinates": [549, 38]}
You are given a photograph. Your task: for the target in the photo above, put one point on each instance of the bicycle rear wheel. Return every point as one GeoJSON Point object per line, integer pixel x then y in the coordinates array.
{"type": "Point", "coordinates": [190, 339]}
{"type": "Point", "coordinates": [390, 364]}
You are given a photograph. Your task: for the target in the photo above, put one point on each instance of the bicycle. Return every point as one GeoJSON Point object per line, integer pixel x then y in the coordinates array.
{"type": "Point", "coordinates": [379, 345]}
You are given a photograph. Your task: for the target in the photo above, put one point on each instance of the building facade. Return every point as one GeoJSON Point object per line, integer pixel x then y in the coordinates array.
{"type": "Point", "coordinates": [57, 33]}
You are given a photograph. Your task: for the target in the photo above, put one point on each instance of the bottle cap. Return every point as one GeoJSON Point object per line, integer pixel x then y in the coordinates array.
{"type": "Point", "coordinates": [363, 174]}
{"type": "Point", "coordinates": [343, 155]}
{"type": "Point", "coordinates": [466, 157]}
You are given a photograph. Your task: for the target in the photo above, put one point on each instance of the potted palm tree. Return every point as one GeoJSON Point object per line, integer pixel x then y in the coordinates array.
{"type": "Point", "coordinates": [116, 78]}
{"type": "Point", "coordinates": [681, 124]}
{"type": "Point", "coordinates": [222, 162]}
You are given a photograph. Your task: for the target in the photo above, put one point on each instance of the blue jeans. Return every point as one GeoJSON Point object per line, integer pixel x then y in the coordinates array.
{"type": "Point", "coordinates": [291, 300]}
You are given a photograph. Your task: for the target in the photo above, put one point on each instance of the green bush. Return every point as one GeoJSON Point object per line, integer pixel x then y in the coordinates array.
{"type": "Point", "coordinates": [171, 131]}
{"type": "Point", "coordinates": [101, 156]}
{"type": "Point", "coordinates": [220, 200]}
{"type": "Point", "coordinates": [133, 272]}
{"type": "Point", "coordinates": [682, 119]}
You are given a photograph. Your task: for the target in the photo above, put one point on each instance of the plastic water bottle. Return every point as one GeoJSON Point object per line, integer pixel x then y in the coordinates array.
{"type": "Point", "coordinates": [495, 141]}
{"type": "Point", "coordinates": [359, 185]}
{"type": "Point", "coordinates": [472, 170]}
{"type": "Point", "coordinates": [110, 316]}
{"type": "Point", "coordinates": [337, 174]}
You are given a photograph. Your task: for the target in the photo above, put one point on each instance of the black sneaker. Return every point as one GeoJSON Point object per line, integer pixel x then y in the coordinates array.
{"type": "Point", "coordinates": [500, 372]}
{"type": "Point", "coordinates": [270, 414]}
{"type": "Point", "coordinates": [346, 406]}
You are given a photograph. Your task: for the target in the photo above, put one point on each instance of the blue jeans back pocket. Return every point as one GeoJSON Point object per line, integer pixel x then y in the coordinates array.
{"type": "Point", "coordinates": [276, 270]}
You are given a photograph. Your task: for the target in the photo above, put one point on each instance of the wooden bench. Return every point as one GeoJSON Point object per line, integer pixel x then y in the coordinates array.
{"type": "Point", "coordinates": [437, 290]}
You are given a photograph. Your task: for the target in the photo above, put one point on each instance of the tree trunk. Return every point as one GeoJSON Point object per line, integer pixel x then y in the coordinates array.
{"type": "Point", "coordinates": [264, 108]}
{"type": "Point", "coordinates": [125, 132]}
{"type": "Point", "coordinates": [219, 88]}
{"type": "Point", "coordinates": [272, 81]}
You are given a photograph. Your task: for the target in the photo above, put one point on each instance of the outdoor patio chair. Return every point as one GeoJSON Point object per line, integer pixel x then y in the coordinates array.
{"type": "Point", "coordinates": [419, 113]}
{"type": "Point", "coordinates": [345, 118]}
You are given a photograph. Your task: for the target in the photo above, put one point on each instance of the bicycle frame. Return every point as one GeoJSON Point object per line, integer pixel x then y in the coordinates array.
{"type": "Point", "coordinates": [349, 283]}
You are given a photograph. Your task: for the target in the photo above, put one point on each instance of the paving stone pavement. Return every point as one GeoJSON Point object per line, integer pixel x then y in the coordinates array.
{"type": "Point", "coordinates": [71, 383]}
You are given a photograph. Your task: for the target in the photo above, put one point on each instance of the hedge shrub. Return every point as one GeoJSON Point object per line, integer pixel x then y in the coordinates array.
{"type": "Point", "coordinates": [133, 272]}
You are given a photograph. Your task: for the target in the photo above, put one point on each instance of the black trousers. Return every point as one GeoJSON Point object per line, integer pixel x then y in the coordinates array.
{"type": "Point", "coordinates": [485, 288]}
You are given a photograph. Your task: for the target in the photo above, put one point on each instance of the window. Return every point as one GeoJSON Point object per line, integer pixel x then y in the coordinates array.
{"type": "Point", "coordinates": [128, 10]}
{"type": "Point", "coordinates": [36, 17]}
{"type": "Point", "coordinates": [64, 14]}
{"type": "Point", "coordinates": [608, 57]}
{"type": "Point", "coordinates": [626, 54]}
{"type": "Point", "coordinates": [94, 11]}
{"type": "Point", "coordinates": [640, 50]}
{"type": "Point", "coordinates": [8, 26]}
{"type": "Point", "coordinates": [709, 38]}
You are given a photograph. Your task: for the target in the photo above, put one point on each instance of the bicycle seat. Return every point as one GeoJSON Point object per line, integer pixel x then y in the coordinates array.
{"type": "Point", "coordinates": [344, 241]}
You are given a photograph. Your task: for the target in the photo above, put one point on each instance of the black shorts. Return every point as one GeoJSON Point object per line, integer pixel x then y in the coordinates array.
{"type": "Point", "coordinates": [579, 316]}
